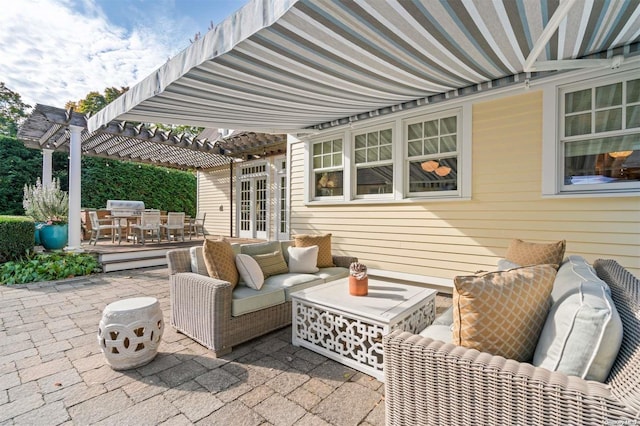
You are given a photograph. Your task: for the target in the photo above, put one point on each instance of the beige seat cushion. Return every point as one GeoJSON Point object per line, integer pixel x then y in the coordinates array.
{"type": "Point", "coordinates": [332, 274]}
{"type": "Point", "coordinates": [526, 254]}
{"type": "Point", "coordinates": [502, 313]}
{"type": "Point", "coordinates": [220, 260]}
{"type": "Point", "coordinates": [247, 299]}
{"type": "Point", "coordinates": [325, 257]}
{"type": "Point", "coordinates": [293, 282]}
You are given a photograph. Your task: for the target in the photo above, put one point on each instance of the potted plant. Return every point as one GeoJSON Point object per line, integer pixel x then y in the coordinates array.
{"type": "Point", "coordinates": [358, 279]}
{"type": "Point", "coordinates": [49, 206]}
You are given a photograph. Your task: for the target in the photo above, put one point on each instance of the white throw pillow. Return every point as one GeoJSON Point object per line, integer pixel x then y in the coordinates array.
{"type": "Point", "coordinates": [197, 261]}
{"type": "Point", "coordinates": [303, 260]}
{"type": "Point", "coordinates": [583, 331]}
{"type": "Point", "coordinates": [250, 271]}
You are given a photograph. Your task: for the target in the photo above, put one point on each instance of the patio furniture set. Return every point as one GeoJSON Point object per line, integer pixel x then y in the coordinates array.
{"type": "Point", "coordinates": [130, 220]}
{"type": "Point", "coordinates": [580, 367]}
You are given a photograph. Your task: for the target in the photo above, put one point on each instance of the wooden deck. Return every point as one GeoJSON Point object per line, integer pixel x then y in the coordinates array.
{"type": "Point", "coordinates": [127, 255]}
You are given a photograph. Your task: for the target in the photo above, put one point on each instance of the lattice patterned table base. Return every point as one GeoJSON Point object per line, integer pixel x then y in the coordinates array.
{"type": "Point", "coordinates": [353, 341]}
{"type": "Point", "coordinates": [130, 332]}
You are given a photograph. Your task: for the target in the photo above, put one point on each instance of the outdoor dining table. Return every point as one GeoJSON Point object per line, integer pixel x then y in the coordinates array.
{"type": "Point", "coordinates": [135, 219]}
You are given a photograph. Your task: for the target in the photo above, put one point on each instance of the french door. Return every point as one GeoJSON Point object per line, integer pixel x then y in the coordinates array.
{"type": "Point", "coordinates": [253, 200]}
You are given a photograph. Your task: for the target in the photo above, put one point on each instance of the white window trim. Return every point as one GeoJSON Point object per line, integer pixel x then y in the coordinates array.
{"type": "Point", "coordinates": [458, 113]}
{"type": "Point", "coordinates": [310, 196]}
{"type": "Point", "coordinates": [353, 186]}
{"type": "Point", "coordinates": [397, 123]}
{"type": "Point", "coordinates": [552, 154]}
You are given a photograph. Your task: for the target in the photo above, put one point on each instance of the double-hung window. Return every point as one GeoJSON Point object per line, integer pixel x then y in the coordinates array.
{"type": "Point", "coordinates": [432, 147]}
{"type": "Point", "coordinates": [328, 169]}
{"type": "Point", "coordinates": [600, 136]}
{"type": "Point", "coordinates": [373, 162]}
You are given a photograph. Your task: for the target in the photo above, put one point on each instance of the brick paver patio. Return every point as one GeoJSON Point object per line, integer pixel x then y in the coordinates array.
{"type": "Point", "coordinates": [52, 371]}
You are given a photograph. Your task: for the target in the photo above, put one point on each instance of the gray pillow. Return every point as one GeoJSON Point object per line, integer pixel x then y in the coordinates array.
{"type": "Point", "coordinates": [583, 331]}
{"type": "Point", "coordinates": [505, 265]}
{"type": "Point", "coordinates": [260, 248]}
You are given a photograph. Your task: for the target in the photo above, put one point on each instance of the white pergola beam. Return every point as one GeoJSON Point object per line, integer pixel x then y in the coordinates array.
{"type": "Point", "coordinates": [561, 13]}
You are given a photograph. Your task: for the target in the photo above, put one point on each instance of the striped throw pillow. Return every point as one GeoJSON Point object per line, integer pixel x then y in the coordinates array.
{"type": "Point", "coordinates": [272, 263]}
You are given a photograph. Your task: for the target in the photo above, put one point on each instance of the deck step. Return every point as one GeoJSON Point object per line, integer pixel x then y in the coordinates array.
{"type": "Point", "coordinates": [124, 265]}
{"type": "Point", "coordinates": [120, 261]}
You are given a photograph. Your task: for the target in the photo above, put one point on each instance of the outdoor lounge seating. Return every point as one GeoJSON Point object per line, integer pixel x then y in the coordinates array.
{"type": "Point", "coordinates": [217, 315]}
{"type": "Point", "coordinates": [429, 381]}
{"type": "Point", "coordinates": [100, 225]}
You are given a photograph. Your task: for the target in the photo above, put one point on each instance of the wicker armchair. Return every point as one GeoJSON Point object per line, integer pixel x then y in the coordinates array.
{"type": "Point", "coordinates": [201, 307]}
{"type": "Point", "coordinates": [429, 382]}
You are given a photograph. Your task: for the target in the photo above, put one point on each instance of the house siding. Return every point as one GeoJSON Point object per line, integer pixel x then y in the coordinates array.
{"type": "Point", "coordinates": [449, 238]}
{"type": "Point", "coordinates": [214, 198]}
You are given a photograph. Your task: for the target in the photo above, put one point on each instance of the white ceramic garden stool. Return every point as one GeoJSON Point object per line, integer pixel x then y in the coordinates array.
{"type": "Point", "coordinates": [130, 332]}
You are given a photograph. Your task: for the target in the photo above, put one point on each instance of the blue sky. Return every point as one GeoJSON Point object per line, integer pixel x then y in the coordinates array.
{"type": "Point", "coordinates": [54, 51]}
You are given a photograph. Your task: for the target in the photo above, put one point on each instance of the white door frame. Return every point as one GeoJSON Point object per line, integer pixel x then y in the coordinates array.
{"type": "Point", "coordinates": [282, 199]}
{"type": "Point", "coordinates": [252, 211]}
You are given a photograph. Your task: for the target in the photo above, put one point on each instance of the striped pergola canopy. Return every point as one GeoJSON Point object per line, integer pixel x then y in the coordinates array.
{"type": "Point", "coordinates": [296, 66]}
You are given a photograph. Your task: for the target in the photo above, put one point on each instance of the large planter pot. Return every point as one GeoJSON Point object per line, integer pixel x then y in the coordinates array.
{"type": "Point", "coordinates": [38, 226]}
{"type": "Point", "coordinates": [54, 237]}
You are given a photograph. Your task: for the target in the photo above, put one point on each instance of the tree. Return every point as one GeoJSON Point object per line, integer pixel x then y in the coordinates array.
{"type": "Point", "coordinates": [94, 101]}
{"type": "Point", "coordinates": [12, 111]}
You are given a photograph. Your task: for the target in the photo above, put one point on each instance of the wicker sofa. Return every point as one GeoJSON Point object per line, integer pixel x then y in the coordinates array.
{"type": "Point", "coordinates": [203, 307]}
{"type": "Point", "coordinates": [432, 382]}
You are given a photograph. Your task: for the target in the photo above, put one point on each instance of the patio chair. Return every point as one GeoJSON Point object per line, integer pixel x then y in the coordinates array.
{"type": "Point", "coordinates": [149, 223]}
{"type": "Point", "coordinates": [99, 225]}
{"type": "Point", "coordinates": [197, 225]}
{"type": "Point", "coordinates": [175, 223]}
{"type": "Point", "coordinates": [432, 382]}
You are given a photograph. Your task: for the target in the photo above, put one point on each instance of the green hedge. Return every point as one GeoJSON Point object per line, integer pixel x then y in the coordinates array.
{"type": "Point", "coordinates": [102, 180]}
{"type": "Point", "coordinates": [16, 237]}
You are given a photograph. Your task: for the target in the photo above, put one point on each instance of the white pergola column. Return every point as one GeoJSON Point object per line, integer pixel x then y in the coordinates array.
{"type": "Point", "coordinates": [75, 238]}
{"type": "Point", "coordinates": [47, 167]}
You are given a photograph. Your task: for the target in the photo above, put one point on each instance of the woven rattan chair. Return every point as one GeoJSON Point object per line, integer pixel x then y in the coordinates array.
{"type": "Point", "coordinates": [429, 382]}
{"type": "Point", "coordinates": [201, 307]}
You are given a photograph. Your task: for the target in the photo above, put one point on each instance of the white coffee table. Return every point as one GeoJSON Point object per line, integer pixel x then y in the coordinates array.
{"type": "Point", "coordinates": [349, 329]}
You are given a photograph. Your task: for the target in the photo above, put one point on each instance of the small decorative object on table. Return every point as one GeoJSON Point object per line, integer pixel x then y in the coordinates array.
{"type": "Point", "coordinates": [358, 279]}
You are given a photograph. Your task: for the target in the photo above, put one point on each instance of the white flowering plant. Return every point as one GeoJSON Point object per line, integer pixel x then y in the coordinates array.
{"type": "Point", "coordinates": [47, 204]}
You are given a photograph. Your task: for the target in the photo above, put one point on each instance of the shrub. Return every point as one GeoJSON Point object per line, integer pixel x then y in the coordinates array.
{"type": "Point", "coordinates": [48, 267]}
{"type": "Point", "coordinates": [16, 237]}
{"type": "Point", "coordinates": [46, 203]}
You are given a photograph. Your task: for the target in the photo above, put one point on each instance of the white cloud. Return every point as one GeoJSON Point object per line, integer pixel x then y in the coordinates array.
{"type": "Point", "coordinates": [51, 54]}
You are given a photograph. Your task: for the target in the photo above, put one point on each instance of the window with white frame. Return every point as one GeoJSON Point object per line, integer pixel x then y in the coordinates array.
{"type": "Point", "coordinates": [432, 149]}
{"type": "Point", "coordinates": [328, 169]}
{"type": "Point", "coordinates": [599, 134]}
{"type": "Point", "coordinates": [373, 162]}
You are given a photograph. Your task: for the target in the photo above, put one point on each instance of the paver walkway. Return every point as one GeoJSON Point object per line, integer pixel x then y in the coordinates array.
{"type": "Point", "coordinates": [52, 371]}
